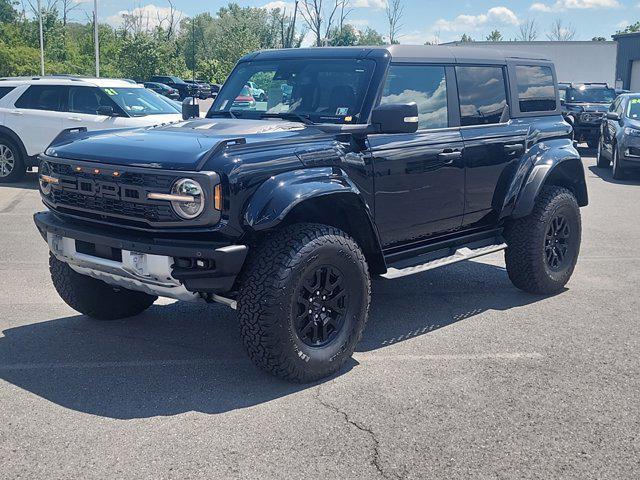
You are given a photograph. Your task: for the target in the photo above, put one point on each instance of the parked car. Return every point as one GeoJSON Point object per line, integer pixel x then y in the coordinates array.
{"type": "Point", "coordinates": [620, 136]}
{"type": "Point", "coordinates": [257, 93]}
{"type": "Point", "coordinates": [215, 89]}
{"type": "Point", "coordinates": [203, 89]}
{"type": "Point", "coordinates": [584, 108]}
{"type": "Point", "coordinates": [244, 99]}
{"type": "Point", "coordinates": [164, 90]}
{"type": "Point", "coordinates": [185, 89]}
{"type": "Point", "coordinates": [35, 110]}
{"type": "Point", "coordinates": [385, 161]}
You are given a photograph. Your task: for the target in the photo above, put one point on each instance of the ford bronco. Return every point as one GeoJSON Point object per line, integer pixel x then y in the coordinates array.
{"type": "Point", "coordinates": [385, 161]}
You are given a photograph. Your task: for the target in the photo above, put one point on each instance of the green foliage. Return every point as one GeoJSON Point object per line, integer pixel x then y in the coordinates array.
{"type": "Point", "coordinates": [495, 36]}
{"type": "Point", "coordinates": [466, 38]}
{"type": "Point", "coordinates": [351, 36]}
{"type": "Point", "coordinates": [634, 28]}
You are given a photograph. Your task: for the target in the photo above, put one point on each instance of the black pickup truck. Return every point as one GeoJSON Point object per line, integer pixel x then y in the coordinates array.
{"type": "Point", "coordinates": [362, 161]}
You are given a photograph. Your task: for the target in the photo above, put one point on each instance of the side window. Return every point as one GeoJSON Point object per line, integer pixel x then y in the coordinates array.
{"type": "Point", "coordinates": [5, 90]}
{"type": "Point", "coordinates": [536, 90]}
{"type": "Point", "coordinates": [43, 97]}
{"type": "Point", "coordinates": [87, 100]}
{"type": "Point", "coordinates": [482, 93]}
{"type": "Point", "coordinates": [424, 84]}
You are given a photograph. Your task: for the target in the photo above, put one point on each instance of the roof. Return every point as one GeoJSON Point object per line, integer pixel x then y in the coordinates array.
{"type": "Point", "coordinates": [625, 35]}
{"type": "Point", "coordinates": [69, 80]}
{"type": "Point", "coordinates": [399, 53]}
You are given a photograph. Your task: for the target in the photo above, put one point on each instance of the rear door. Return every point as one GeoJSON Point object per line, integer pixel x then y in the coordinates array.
{"type": "Point", "coordinates": [493, 144]}
{"type": "Point", "coordinates": [37, 116]}
{"type": "Point", "coordinates": [419, 177]}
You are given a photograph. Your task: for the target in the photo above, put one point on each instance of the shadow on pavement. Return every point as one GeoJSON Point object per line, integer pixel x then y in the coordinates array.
{"type": "Point", "coordinates": [632, 178]}
{"type": "Point", "coordinates": [29, 182]}
{"type": "Point", "coordinates": [188, 357]}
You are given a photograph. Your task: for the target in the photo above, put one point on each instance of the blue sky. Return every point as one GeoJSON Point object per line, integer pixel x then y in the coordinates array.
{"type": "Point", "coordinates": [427, 19]}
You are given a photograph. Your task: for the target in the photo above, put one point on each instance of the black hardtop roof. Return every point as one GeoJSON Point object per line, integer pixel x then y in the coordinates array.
{"type": "Point", "coordinates": [401, 54]}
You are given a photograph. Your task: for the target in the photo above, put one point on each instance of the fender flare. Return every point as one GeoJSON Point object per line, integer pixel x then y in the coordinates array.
{"type": "Point", "coordinates": [13, 136]}
{"type": "Point", "coordinates": [555, 162]}
{"type": "Point", "coordinates": [287, 192]}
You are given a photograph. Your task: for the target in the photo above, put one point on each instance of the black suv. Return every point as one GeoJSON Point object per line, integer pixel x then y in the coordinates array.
{"type": "Point", "coordinates": [378, 161]}
{"type": "Point", "coordinates": [184, 89]}
{"type": "Point", "coordinates": [584, 107]}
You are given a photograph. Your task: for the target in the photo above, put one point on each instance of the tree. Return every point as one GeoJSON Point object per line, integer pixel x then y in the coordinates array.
{"type": "Point", "coordinates": [528, 31]}
{"type": "Point", "coordinates": [561, 33]}
{"type": "Point", "coordinates": [598, 39]}
{"type": "Point", "coordinates": [346, 36]}
{"type": "Point", "coordinates": [395, 12]}
{"type": "Point", "coordinates": [466, 38]}
{"type": "Point", "coordinates": [370, 37]}
{"type": "Point", "coordinates": [495, 36]}
{"type": "Point", "coordinates": [634, 28]}
{"type": "Point", "coordinates": [8, 13]}
{"type": "Point", "coordinates": [320, 20]}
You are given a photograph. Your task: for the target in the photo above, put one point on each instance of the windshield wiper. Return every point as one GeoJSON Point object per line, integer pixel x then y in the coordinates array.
{"type": "Point", "coordinates": [226, 113]}
{"type": "Point", "coordinates": [296, 117]}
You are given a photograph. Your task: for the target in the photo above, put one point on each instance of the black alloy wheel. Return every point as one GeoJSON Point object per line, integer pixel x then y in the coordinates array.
{"type": "Point", "coordinates": [322, 304]}
{"type": "Point", "coordinates": [557, 243]}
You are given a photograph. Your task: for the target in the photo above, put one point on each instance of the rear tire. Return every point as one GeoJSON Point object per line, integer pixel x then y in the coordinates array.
{"type": "Point", "coordinates": [602, 162]}
{"type": "Point", "coordinates": [12, 166]}
{"type": "Point", "coordinates": [304, 301]}
{"type": "Point", "coordinates": [95, 298]}
{"type": "Point", "coordinates": [616, 169]}
{"type": "Point", "coordinates": [543, 247]}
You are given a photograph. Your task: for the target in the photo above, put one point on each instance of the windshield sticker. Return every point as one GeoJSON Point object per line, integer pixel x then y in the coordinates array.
{"type": "Point", "coordinates": [342, 111]}
{"type": "Point", "coordinates": [110, 91]}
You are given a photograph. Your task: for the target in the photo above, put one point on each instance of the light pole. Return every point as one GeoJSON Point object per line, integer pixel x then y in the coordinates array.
{"type": "Point", "coordinates": [41, 39]}
{"type": "Point", "coordinates": [96, 37]}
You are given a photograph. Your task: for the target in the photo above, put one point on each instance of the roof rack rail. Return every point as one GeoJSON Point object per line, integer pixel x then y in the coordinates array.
{"type": "Point", "coordinates": [605, 84]}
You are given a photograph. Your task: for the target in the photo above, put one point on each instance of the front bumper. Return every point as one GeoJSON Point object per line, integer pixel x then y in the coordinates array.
{"type": "Point", "coordinates": [586, 131]}
{"type": "Point", "coordinates": [171, 268]}
{"type": "Point", "coordinates": [630, 152]}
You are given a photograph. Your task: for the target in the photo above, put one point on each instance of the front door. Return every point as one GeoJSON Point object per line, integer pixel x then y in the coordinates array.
{"type": "Point", "coordinates": [418, 178]}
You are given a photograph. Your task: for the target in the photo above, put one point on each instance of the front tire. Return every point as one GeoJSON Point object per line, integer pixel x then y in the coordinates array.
{"type": "Point", "coordinates": [618, 172]}
{"type": "Point", "coordinates": [12, 166]}
{"type": "Point", "coordinates": [95, 298]}
{"type": "Point", "coordinates": [601, 161]}
{"type": "Point", "coordinates": [543, 247]}
{"type": "Point", "coordinates": [303, 301]}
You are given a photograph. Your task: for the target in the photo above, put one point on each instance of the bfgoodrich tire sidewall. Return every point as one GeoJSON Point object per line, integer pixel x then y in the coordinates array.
{"type": "Point", "coordinates": [317, 359]}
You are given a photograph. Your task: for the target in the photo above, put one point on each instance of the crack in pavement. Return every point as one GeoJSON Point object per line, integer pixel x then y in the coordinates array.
{"type": "Point", "coordinates": [363, 428]}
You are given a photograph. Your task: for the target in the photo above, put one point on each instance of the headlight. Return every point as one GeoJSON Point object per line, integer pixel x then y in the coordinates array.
{"type": "Point", "coordinates": [632, 132]}
{"type": "Point", "coordinates": [188, 188]}
{"type": "Point", "coordinates": [44, 178]}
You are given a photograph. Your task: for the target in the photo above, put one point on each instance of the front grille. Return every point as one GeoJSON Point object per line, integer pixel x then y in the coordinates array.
{"type": "Point", "coordinates": [104, 196]}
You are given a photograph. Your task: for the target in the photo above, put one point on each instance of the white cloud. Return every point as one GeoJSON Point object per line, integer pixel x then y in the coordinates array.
{"type": "Point", "coordinates": [378, 4]}
{"type": "Point", "coordinates": [563, 5]}
{"type": "Point", "coordinates": [494, 16]}
{"type": "Point", "coordinates": [149, 16]}
{"type": "Point", "coordinates": [359, 22]}
{"type": "Point", "coordinates": [279, 4]}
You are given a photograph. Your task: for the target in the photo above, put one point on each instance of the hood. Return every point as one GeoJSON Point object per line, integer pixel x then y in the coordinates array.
{"type": "Point", "coordinates": [179, 146]}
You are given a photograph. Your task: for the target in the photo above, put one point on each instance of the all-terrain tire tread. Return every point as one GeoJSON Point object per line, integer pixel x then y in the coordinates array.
{"type": "Point", "coordinates": [263, 279]}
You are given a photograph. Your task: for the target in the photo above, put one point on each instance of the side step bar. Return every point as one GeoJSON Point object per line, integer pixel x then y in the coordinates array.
{"type": "Point", "coordinates": [461, 254]}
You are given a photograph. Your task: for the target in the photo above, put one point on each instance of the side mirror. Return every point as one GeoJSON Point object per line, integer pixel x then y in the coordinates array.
{"type": "Point", "coordinates": [396, 118]}
{"type": "Point", "coordinates": [106, 110]}
{"type": "Point", "coordinates": [190, 109]}
{"type": "Point", "coordinates": [613, 116]}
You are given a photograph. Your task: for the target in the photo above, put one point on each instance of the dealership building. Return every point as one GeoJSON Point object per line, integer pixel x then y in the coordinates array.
{"type": "Point", "coordinates": [616, 62]}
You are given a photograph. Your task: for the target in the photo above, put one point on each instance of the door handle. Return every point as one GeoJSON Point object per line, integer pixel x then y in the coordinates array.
{"type": "Point", "coordinates": [449, 155]}
{"type": "Point", "coordinates": [512, 148]}
{"type": "Point", "coordinates": [16, 112]}
{"type": "Point", "coordinates": [74, 119]}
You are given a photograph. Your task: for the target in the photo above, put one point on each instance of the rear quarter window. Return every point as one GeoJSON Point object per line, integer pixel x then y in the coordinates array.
{"type": "Point", "coordinates": [536, 89]}
{"type": "Point", "coordinates": [482, 93]}
{"type": "Point", "coordinates": [5, 90]}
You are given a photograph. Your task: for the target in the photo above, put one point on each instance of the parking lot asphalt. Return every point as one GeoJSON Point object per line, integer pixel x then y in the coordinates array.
{"type": "Point", "coordinates": [458, 376]}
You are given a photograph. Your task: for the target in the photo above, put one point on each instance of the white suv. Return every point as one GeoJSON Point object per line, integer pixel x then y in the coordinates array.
{"type": "Point", "coordinates": [34, 111]}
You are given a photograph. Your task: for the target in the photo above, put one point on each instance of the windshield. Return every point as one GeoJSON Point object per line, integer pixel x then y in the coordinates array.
{"type": "Point", "coordinates": [633, 109]}
{"type": "Point", "coordinates": [139, 102]}
{"type": "Point", "coordinates": [590, 95]}
{"type": "Point", "coordinates": [322, 91]}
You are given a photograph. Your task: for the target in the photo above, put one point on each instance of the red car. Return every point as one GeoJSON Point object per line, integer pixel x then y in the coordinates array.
{"type": "Point", "coordinates": [245, 100]}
